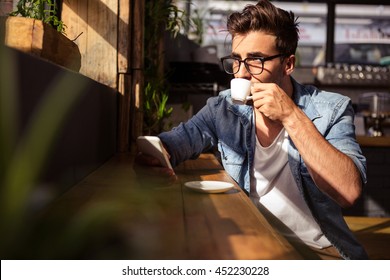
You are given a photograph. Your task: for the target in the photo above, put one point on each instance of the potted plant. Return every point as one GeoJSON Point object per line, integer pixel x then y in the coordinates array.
{"type": "Point", "coordinates": [34, 27]}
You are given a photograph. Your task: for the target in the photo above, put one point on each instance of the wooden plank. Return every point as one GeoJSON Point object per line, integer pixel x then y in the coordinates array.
{"type": "Point", "coordinates": [101, 62]}
{"type": "Point", "coordinates": [124, 36]}
{"type": "Point", "coordinates": [373, 233]}
{"type": "Point", "coordinates": [124, 88]}
{"type": "Point", "coordinates": [124, 75]}
{"type": "Point", "coordinates": [145, 222]}
{"type": "Point", "coordinates": [75, 16]}
{"type": "Point", "coordinates": [137, 62]}
{"type": "Point", "coordinates": [138, 34]}
{"type": "Point", "coordinates": [117, 214]}
{"type": "Point", "coordinates": [228, 225]}
{"type": "Point", "coordinates": [98, 22]}
{"type": "Point", "coordinates": [137, 105]}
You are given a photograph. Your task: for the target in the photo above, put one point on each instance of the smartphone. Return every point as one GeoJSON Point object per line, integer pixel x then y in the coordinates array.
{"type": "Point", "coordinates": [152, 145]}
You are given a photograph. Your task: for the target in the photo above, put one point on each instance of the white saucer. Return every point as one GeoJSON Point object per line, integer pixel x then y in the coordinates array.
{"type": "Point", "coordinates": [209, 186]}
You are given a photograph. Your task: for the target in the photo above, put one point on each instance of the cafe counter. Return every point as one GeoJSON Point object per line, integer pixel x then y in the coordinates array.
{"type": "Point", "coordinates": [116, 213]}
{"type": "Point", "coordinates": [368, 141]}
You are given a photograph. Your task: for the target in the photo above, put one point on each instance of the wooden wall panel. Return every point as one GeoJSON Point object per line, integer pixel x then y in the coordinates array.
{"type": "Point", "coordinates": [124, 74]}
{"type": "Point", "coordinates": [111, 45]}
{"type": "Point", "coordinates": [97, 22]}
{"type": "Point", "coordinates": [138, 67]}
{"type": "Point", "coordinates": [124, 111]}
{"type": "Point", "coordinates": [124, 36]}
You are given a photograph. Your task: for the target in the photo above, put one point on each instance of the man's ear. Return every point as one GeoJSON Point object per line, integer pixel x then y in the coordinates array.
{"type": "Point", "coordinates": [290, 64]}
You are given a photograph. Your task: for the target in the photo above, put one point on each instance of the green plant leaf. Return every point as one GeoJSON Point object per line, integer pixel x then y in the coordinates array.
{"type": "Point", "coordinates": [45, 10]}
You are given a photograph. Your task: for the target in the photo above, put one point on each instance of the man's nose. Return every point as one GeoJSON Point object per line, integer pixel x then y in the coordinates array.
{"type": "Point", "coordinates": [243, 72]}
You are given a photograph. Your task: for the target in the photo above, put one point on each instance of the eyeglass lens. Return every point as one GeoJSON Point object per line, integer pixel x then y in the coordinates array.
{"type": "Point", "coordinates": [232, 65]}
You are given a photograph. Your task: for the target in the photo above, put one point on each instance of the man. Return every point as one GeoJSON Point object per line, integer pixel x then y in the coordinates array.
{"type": "Point", "coordinates": [293, 149]}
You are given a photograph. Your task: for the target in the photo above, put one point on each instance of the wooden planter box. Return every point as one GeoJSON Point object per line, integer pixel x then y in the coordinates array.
{"type": "Point", "coordinates": [40, 39]}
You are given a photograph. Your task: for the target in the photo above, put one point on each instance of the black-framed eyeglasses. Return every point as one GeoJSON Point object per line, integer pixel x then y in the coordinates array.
{"type": "Point", "coordinates": [254, 65]}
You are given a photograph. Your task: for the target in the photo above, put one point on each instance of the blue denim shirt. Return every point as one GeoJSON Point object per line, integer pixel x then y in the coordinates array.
{"type": "Point", "coordinates": [231, 128]}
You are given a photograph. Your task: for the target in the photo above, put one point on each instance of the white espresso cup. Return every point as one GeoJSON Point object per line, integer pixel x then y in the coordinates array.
{"type": "Point", "coordinates": [240, 90]}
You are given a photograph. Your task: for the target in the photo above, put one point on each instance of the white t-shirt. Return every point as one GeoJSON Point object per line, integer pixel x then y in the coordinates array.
{"type": "Point", "coordinates": [273, 186]}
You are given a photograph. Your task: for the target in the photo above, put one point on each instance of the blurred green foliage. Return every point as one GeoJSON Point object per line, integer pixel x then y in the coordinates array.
{"type": "Point", "coordinates": [23, 154]}
{"type": "Point", "coordinates": [62, 228]}
{"type": "Point", "coordinates": [45, 10]}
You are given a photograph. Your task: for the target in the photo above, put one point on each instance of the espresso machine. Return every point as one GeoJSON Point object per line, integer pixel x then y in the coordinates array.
{"type": "Point", "coordinates": [376, 110]}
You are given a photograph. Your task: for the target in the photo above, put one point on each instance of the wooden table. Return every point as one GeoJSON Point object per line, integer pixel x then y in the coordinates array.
{"type": "Point", "coordinates": [373, 233]}
{"type": "Point", "coordinates": [112, 214]}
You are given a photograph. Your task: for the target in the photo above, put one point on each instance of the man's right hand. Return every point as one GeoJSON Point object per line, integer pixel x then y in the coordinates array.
{"type": "Point", "coordinates": [148, 168]}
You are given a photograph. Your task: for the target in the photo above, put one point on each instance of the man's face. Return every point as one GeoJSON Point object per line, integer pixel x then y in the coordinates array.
{"type": "Point", "coordinates": [258, 44]}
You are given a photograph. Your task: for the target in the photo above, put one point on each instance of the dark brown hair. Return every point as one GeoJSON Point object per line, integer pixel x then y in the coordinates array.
{"type": "Point", "coordinates": [264, 16]}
